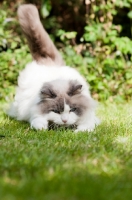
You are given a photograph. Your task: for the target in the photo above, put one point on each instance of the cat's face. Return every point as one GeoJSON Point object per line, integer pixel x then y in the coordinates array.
{"type": "Point", "coordinates": [63, 113]}
{"type": "Point", "coordinates": [62, 102]}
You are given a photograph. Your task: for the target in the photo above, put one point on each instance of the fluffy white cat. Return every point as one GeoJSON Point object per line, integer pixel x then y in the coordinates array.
{"type": "Point", "coordinates": [47, 89]}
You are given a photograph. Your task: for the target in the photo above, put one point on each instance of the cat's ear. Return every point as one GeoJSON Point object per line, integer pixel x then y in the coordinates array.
{"type": "Point", "coordinates": [74, 89]}
{"type": "Point", "coordinates": [47, 93]}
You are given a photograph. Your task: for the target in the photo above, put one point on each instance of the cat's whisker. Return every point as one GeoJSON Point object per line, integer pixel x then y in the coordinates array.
{"type": "Point", "coordinates": [51, 126]}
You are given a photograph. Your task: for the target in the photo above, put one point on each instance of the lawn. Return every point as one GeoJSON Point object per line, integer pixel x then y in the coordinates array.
{"type": "Point", "coordinates": [62, 165]}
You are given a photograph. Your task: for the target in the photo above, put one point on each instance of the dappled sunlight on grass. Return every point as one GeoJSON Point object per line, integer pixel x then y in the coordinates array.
{"type": "Point", "coordinates": [122, 140]}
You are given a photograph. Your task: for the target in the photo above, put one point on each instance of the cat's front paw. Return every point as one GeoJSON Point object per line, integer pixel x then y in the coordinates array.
{"type": "Point", "coordinates": [39, 124]}
{"type": "Point", "coordinates": [88, 126]}
{"type": "Point", "coordinates": [88, 129]}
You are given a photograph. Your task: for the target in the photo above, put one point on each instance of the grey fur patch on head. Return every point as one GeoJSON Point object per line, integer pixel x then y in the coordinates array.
{"type": "Point", "coordinates": [74, 88]}
{"type": "Point", "coordinates": [78, 102]}
{"type": "Point", "coordinates": [55, 93]}
{"type": "Point", "coordinates": [47, 92]}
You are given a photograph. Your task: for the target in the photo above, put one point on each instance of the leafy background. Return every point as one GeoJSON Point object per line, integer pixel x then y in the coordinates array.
{"type": "Point", "coordinates": [93, 36]}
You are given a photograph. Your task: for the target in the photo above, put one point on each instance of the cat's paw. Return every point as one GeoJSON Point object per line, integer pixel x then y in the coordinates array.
{"type": "Point", "coordinates": [82, 129]}
{"type": "Point", "coordinates": [88, 126]}
{"type": "Point", "coordinates": [39, 124]}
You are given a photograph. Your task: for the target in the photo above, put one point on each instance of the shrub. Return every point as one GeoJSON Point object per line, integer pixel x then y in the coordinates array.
{"type": "Point", "coordinates": [14, 54]}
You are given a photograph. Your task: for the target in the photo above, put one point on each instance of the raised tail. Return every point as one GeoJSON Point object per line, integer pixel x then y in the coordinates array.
{"type": "Point", "coordinates": [41, 46]}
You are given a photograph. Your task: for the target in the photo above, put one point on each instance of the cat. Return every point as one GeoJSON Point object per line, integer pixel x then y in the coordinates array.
{"type": "Point", "coordinates": [48, 90]}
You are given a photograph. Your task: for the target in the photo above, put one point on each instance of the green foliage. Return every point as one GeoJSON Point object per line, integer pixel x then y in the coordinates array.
{"type": "Point", "coordinates": [106, 58]}
{"type": "Point", "coordinates": [11, 62]}
{"type": "Point", "coordinates": [14, 55]}
{"type": "Point", "coordinates": [46, 8]}
{"type": "Point", "coordinates": [111, 63]}
{"type": "Point", "coordinates": [98, 51]}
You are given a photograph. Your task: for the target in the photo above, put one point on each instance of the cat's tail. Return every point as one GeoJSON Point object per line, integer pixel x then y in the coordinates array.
{"type": "Point", "coordinates": [42, 48]}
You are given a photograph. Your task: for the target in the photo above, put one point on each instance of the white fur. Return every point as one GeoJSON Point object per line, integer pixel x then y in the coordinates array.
{"type": "Point", "coordinates": [31, 80]}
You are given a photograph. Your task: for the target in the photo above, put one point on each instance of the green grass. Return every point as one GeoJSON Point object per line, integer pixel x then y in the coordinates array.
{"type": "Point", "coordinates": [62, 165]}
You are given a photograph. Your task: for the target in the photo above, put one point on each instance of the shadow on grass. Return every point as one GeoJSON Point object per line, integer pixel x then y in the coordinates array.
{"type": "Point", "coordinates": [72, 184]}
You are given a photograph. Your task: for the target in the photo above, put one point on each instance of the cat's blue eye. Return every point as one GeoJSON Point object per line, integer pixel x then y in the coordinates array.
{"type": "Point", "coordinates": [56, 111]}
{"type": "Point", "coordinates": [72, 109]}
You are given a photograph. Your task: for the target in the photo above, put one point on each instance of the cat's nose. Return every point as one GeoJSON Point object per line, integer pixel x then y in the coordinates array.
{"type": "Point", "coordinates": [64, 120]}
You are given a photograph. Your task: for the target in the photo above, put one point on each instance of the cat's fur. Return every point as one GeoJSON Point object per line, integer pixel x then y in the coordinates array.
{"type": "Point", "coordinates": [47, 89]}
